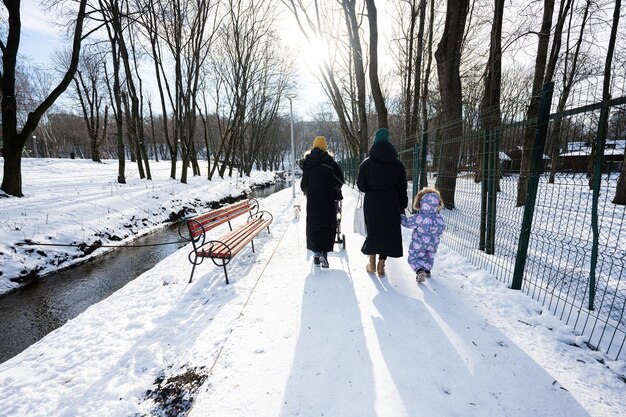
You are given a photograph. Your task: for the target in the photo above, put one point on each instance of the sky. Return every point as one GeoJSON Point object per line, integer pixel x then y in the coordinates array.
{"type": "Point", "coordinates": [285, 338]}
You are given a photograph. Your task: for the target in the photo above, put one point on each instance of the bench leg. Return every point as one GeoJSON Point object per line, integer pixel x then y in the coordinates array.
{"type": "Point", "coordinates": [252, 241]}
{"type": "Point", "coordinates": [225, 272]}
{"type": "Point", "coordinates": [192, 269]}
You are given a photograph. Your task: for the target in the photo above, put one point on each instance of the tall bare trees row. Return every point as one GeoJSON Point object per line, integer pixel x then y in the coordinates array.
{"type": "Point", "coordinates": [566, 47]}
{"type": "Point", "coordinates": [219, 73]}
{"type": "Point", "coordinates": [216, 66]}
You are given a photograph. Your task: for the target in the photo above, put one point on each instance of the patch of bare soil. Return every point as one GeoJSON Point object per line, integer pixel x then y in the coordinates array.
{"type": "Point", "coordinates": [174, 395]}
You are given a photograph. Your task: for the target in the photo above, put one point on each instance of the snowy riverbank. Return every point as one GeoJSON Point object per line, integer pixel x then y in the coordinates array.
{"type": "Point", "coordinates": [79, 202]}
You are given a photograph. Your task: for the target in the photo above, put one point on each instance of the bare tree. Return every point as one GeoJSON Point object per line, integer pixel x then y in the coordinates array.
{"type": "Point", "coordinates": [14, 138]}
{"type": "Point", "coordinates": [377, 94]}
{"type": "Point", "coordinates": [448, 56]}
{"type": "Point", "coordinates": [342, 73]}
{"type": "Point", "coordinates": [115, 95]}
{"type": "Point", "coordinates": [490, 117]}
{"type": "Point", "coordinates": [251, 75]}
{"type": "Point", "coordinates": [181, 31]}
{"type": "Point", "coordinates": [620, 191]}
{"type": "Point", "coordinates": [425, 96]}
{"type": "Point", "coordinates": [410, 40]}
{"type": "Point", "coordinates": [533, 107]}
{"type": "Point", "coordinates": [88, 88]}
{"type": "Point", "coordinates": [490, 114]}
{"type": "Point", "coordinates": [570, 70]}
{"type": "Point", "coordinates": [127, 106]}
{"type": "Point", "coordinates": [406, 14]}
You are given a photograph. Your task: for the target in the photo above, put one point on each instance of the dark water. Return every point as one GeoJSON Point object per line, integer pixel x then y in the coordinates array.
{"type": "Point", "coordinates": [30, 313]}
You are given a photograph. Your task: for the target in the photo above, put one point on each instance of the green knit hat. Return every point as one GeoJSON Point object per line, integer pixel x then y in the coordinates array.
{"type": "Point", "coordinates": [382, 135]}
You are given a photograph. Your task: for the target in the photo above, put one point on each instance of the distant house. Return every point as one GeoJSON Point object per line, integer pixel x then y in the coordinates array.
{"type": "Point", "coordinates": [515, 162]}
{"type": "Point", "coordinates": [505, 162]}
{"type": "Point", "coordinates": [576, 157]}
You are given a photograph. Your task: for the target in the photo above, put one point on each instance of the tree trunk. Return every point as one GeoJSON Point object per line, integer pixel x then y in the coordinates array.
{"type": "Point", "coordinates": [408, 78]}
{"type": "Point", "coordinates": [12, 179]}
{"type": "Point", "coordinates": [533, 108]}
{"type": "Point", "coordinates": [154, 145]}
{"type": "Point", "coordinates": [379, 100]}
{"type": "Point", "coordinates": [414, 123]}
{"type": "Point", "coordinates": [620, 191]}
{"type": "Point", "coordinates": [359, 71]}
{"type": "Point", "coordinates": [568, 82]}
{"type": "Point", "coordinates": [424, 98]}
{"type": "Point", "coordinates": [490, 115]}
{"type": "Point", "coordinates": [448, 56]}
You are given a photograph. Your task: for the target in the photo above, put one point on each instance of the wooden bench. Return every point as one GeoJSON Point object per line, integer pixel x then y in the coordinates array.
{"type": "Point", "coordinates": [222, 250]}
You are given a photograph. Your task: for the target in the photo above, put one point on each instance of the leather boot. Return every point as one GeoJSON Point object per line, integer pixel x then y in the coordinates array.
{"type": "Point", "coordinates": [371, 265]}
{"type": "Point", "coordinates": [380, 270]}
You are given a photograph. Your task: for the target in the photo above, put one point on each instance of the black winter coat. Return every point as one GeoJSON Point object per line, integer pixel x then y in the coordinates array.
{"type": "Point", "coordinates": [382, 178]}
{"type": "Point", "coordinates": [322, 179]}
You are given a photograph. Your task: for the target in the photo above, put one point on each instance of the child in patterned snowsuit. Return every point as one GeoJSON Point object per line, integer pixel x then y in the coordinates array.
{"type": "Point", "coordinates": [427, 225]}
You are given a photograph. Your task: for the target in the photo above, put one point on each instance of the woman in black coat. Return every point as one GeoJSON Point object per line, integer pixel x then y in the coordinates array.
{"type": "Point", "coordinates": [322, 179]}
{"type": "Point", "coordinates": [382, 177]}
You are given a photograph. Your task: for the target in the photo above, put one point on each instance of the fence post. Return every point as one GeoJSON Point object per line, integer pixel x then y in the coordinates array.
{"type": "Point", "coordinates": [483, 189]}
{"type": "Point", "coordinates": [533, 184]}
{"type": "Point", "coordinates": [416, 174]}
{"type": "Point", "coordinates": [492, 192]}
{"type": "Point", "coordinates": [597, 176]}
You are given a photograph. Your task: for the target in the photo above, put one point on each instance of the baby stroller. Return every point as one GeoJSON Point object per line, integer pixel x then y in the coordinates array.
{"type": "Point", "coordinates": [340, 238]}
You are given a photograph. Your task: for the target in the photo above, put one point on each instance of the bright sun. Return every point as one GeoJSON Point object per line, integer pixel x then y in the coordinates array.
{"type": "Point", "coordinates": [316, 53]}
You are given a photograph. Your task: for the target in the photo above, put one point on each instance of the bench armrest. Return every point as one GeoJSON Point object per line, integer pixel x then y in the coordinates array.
{"type": "Point", "coordinates": [261, 214]}
{"type": "Point", "coordinates": [185, 234]}
{"type": "Point", "coordinates": [254, 206]}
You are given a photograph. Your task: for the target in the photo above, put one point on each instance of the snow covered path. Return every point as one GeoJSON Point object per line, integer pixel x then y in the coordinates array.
{"type": "Point", "coordinates": [288, 339]}
{"type": "Point", "coordinates": [342, 342]}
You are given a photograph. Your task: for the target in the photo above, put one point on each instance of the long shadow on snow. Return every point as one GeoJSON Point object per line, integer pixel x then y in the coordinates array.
{"type": "Point", "coordinates": [440, 366]}
{"type": "Point", "coordinates": [331, 373]}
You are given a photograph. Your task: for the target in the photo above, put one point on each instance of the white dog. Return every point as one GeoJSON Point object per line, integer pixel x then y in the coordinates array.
{"type": "Point", "coordinates": [296, 211]}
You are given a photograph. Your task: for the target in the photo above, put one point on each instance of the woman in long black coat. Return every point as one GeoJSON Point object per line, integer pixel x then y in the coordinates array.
{"type": "Point", "coordinates": [382, 177]}
{"type": "Point", "coordinates": [322, 179]}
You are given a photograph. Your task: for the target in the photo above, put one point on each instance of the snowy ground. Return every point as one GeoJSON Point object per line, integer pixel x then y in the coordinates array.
{"type": "Point", "coordinates": [288, 339]}
{"type": "Point", "coordinates": [558, 261]}
{"type": "Point", "coordinates": [73, 202]}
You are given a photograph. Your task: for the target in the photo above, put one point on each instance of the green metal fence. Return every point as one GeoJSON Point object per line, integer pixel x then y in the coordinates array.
{"type": "Point", "coordinates": [566, 245]}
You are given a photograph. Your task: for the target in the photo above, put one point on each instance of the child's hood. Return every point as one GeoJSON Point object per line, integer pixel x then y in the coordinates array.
{"type": "Point", "coordinates": [429, 203]}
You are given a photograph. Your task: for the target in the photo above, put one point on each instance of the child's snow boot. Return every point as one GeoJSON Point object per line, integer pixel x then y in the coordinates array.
{"type": "Point", "coordinates": [420, 276]}
{"type": "Point", "coordinates": [380, 270]}
{"type": "Point", "coordinates": [371, 265]}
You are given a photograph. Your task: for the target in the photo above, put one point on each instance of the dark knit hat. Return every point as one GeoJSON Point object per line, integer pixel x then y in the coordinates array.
{"type": "Point", "coordinates": [382, 135]}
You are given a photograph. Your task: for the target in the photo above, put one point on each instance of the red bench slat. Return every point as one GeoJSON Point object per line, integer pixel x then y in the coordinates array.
{"type": "Point", "coordinates": [236, 240]}
{"type": "Point", "coordinates": [199, 224]}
